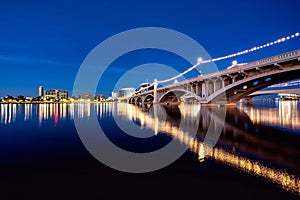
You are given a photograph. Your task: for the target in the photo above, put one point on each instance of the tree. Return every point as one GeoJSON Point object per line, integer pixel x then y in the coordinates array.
{"type": "Point", "coordinates": [21, 98]}
{"type": "Point", "coordinates": [38, 99]}
{"type": "Point", "coordinates": [9, 97]}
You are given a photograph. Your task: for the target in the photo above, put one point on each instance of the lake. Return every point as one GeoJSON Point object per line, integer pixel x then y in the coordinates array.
{"type": "Point", "coordinates": [237, 152]}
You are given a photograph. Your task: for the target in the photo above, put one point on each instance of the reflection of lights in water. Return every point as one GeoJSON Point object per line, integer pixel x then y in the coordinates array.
{"type": "Point", "coordinates": [189, 110]}
{"type": "Point", "coordinates": [41, 114]}
{"type": "Point", "coordinates": [46, 111]}
{"type": "Point", "coordinates": [84, 110]}
{"type": "Point", "coordinates": [5, 113]}
{"type": "Point", "coordinates": [71, 110]}
{"type": "Point", "coordinates": [286, 180]}
{"type": "Point", "coordinates": [2, 112]}
{"type": "Point", "coordinates": [28, 112]}
{"type": "Point", "coordinates": [14, 112]}
{"type": "Point", "coordinates": [64, 111]}
{"type": "Point", "coordinates": [8, 113]}
{"type": "Point", "coordinates": [51, 110]}
{"type": "Point", "coordinates": [201, 154]}
{"type": "Point", "coordinates": [55, 114]}
{"type": "Point", "coordinates": [286, 115]}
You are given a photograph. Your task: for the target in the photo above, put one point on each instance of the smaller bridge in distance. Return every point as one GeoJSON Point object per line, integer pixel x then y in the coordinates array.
{"type": "Point", "coordinates": [295, 91]}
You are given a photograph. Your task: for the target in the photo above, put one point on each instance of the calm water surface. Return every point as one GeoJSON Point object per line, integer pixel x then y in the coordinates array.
{"type": "Point", "coordinates": [257, 153]}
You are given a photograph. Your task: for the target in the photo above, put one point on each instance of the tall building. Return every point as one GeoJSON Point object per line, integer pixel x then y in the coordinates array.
{"type": "Point", "coordinates": [114, 95]}
{"type": "Point", "coordinates": [56, 94]}
{"type": "Point", "coordinates": [40, 91]}
{"type": "Point", "coordinates": [125, 92]}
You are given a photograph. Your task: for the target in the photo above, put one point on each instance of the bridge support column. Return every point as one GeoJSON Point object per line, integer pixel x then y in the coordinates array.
{"type": "Point", "coordinates": [214, 86]}
{"type": "Point", "coordinates": [223, 82]}
{"type": "Point", "coordinates": [197, 89]}
{"type": "Point", "coordinates": [155, 100]}
{"type": "Point", "coordinates": [204, 90]}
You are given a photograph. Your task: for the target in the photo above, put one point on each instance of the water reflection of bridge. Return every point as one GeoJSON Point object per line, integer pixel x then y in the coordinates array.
{"type": "Point", "coordinates": [235, 146]}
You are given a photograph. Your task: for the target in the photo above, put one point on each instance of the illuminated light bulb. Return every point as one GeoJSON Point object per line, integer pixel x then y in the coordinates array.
{"type": "Point", "coordinates": [199, 60]}
{"type": "Point", "coordinates": [297, 34]}
{"type": "Point", "coordinates": [292, 36]}
{"type": "Point", "coordinates": [264, 46]}
{"type": "Point", "coordinates": [279, 40]}
{"type": "Point", "coordinates": [282, 39]}
{"type": "Point", "coordinates": [234, 62]}
{"type": "Point", "coordinates": [268, 44]}
{"type": "Point", "coordinates": [288, 37]}
{"type": "Point", "coordinates": [261, 47]}
{"type": "Point", "coordinates": [275, 42]}
{"type": "Point", "coordinates": [271, 43]}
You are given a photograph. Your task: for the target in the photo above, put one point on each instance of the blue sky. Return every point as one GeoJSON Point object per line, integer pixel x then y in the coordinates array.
{"type": "Point", "coordinates": [44, 42]}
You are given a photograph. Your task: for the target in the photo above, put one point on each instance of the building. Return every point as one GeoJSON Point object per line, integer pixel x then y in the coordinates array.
{"type": "Point", "coordinates": [40, 91]}
{"type": "Point", "coordinates": [85, 96]}
{"type": "Point", "coordinates": [114, 95]}
{"type": "Point", "coordinates": [56, 94]}
{"type": "Point", "coordinates": [125, 92]}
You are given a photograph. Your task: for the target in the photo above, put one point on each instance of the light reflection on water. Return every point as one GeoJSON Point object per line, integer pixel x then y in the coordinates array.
{"type": "Point", "coordinates": [284, 115]}
{"type": "Point", "coordinates": [288, 181]}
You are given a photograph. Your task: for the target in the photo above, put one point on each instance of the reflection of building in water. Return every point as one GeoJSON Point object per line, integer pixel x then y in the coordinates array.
{"type": "Point", "coordinates": [28, 112]}
{"type": "Point", "coordinates": [104, 109]}
{"type": "Point", "coordinates": [84, 110]}
{"type": "Point", "coordinates": [8, 113]}
{"type": "Point", "coordinates": [286, 180]}
{"type": "Point", "coordinates": [287, 116]}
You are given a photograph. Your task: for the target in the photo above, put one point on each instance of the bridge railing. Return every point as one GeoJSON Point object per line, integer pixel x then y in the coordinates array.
{"type": "Point", "coordinates": [259, 63]}
{"type": "Point", "coordinates": [266, 61]}
{"type": "Point", "coordinates": [272, 60]}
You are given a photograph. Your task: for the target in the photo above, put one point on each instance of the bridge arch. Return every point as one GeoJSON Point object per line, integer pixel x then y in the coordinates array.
{"type": "Point", "coordinates": [132, 100]}
{"type": "Point", "coordinates": [139, 101]}
{"type": "Point", "coordinates": [148, 99]}
{"type": "Point", "coordinates": [175, 93]}
{"type": "Point", "coordinates": [244, 87]}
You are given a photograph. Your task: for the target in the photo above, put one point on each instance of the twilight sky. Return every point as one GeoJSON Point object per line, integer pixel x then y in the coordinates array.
{"type": "Point", "coordinates": [45, 42]}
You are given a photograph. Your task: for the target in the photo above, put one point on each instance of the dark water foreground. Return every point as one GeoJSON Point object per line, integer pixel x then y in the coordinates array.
{"type": "Point", "coordinates": [256, 156]}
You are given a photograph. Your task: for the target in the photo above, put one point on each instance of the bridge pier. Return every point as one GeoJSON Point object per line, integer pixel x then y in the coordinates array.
{"type": "Point", "coordinates": [197, 89]}
{"type": "Point", "coordinates": [204, 90]}
{"type": "Point", "coordinates": [155, 100]}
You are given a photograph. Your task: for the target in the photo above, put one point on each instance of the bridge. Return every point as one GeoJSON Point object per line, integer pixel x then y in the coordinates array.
{"type": "Point", "coordinates": [226, 86]}
{"type": "Point", "coordinates": [295, 91]}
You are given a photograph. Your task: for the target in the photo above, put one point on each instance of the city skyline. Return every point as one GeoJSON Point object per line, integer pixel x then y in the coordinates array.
{"type": "Point", "coordinates": [51, 39]}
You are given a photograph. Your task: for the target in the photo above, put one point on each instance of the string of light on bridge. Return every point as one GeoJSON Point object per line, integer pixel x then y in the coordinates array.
{"type": "Point", "coordinates": [201, 61]}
